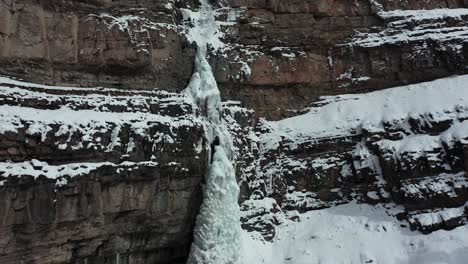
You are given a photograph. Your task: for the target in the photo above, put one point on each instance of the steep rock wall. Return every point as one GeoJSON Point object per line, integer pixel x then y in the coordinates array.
{"type": "Point", "coordinates": [280, 55]}
{"type": "Point", "coordinates": [384, 147]}
{"type": "Point", "coordinates": [93, 43]}
{"type": "Point", "coordinates": [297, 51]}
{"type": "Point", "coordinates": [97, 175]}
{"type": "Point", "coordinates": [135, 190]}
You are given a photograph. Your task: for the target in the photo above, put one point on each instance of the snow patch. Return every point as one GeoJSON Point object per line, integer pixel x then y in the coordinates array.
{"type": "Point", "coordinates": [354, 233]}
{"type": "Point", "coordinates": [348, 114]}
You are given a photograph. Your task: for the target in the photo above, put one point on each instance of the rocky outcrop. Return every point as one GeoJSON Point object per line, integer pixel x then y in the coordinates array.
{"type": "Point", "coordinates": [97, 175]}
{"type": "Point", "coordinates": [354, 148]}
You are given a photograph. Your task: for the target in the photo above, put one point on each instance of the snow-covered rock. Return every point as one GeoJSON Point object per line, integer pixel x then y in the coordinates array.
{"type": "Point", "coordinates": [405, 145]}
{"type": "Point", "coordinates": [99, 168]}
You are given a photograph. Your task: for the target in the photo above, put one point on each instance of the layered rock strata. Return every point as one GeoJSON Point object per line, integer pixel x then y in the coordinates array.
{"type": "Point", "coordinates": [278, 56]}
{"type": "Point", "coordinates": [382, 147]}
{"type": "Point", "coordinates": [102, 175]}
{"type": "Point", "coordinates": [95, 43]}
{"type": "Point", "coordinates": [98, 175]}
{"type": "Point", "coordinates": [290, 53]}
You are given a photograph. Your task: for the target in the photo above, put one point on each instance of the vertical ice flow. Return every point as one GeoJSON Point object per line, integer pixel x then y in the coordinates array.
{"type": "Point", "coordinates": [203, 88]}
{"type": "Point", "coordinates": [217, 230]}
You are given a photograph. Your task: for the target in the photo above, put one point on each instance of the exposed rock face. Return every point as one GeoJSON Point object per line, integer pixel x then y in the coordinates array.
{"type": "Point", "coordinates": [280, 55]}
{"type": "Point", "coordinates": [300, 50]}
{"type": "Point", "coordinates": [118, 181]}
{"type": "Point", "coordinates": [91, 43]}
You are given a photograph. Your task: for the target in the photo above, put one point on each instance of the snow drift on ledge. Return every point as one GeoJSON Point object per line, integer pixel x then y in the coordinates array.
{"type": "Point", "coordinates": [355, 234]}
{"type": "Point", "coordinates": [360, 233]}
{"type": "Point", "coordinates": [349, 114]}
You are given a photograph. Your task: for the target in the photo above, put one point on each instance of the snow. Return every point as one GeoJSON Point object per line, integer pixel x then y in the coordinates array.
{"type": "Point", "coordinates": [203, 88]}
{"type": "Point", "coordinates": [207, 27]}
{"type": "Point", "coordinates": [245, 69]}
{"type": "Point", "coordinates": [415, 145]}
{"type": "Point", "coordinates": [138, 28]}
{"type": "Point", "coordinates": [354, 233]}
{"type": "Point", "coordinates": [255, 207]}
{"type": "Point", "coordinates": [438, 217]}
{"type": "Point", "coordinates": [36, 168]}
{"type": "Point", "coordinates": [348, 75]}
{"type": "Point", "coordinates": [88, 122]}
{"type": "Point", "coordinates": [97, 96]}
{"type": "Point", "coordinates": [348, 114]}
{"type": "Point", "coordinates": [305, 200]}
{"type": "Point", "coordinates": [10, 81]}
{"type": "Point", "coordinates": [80, 118]}
{"type": "Point", "coordinates": [376, 4]}
{"type": "Point", "coordinates": [350, 233]}
{"type": "Point", "coordinates": [205, 30]}
{"type": "Point", "coordinates": [412, 15]}
{"type": "Point", "coordinates": [124, 22]}
{"type": "Point", "coordinates": [443, 184]}
{"type": "Point", "coordinates": [363, 158]}
{"type": "Point", "coordinates": [417, 25]}
{"type": "Point", "coordinates": [456, 133]}
{"type": "Point", "coordinates": [11, 117]}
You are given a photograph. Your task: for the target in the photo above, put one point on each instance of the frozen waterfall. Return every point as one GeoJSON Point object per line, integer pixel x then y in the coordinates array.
{"type": "Point", "coordinates": [217, 231]}
{"type": "Point", "coordinates": [203, 88]}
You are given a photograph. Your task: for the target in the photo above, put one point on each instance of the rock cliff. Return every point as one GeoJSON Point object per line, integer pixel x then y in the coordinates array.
{"type": "Point", "coordinates": [383, 147]}
{"type": "Point", "coordinates": [279, 56]}
{"type": "Point", "coordinates": [114, 175]}
{"type": "Point", "coordinates": [97, 175]}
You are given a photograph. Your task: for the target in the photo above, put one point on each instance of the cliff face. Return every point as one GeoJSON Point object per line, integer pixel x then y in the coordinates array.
{"type": "Point", "coordinates": [279, 57]}
{"type": "Point", "coordinates": [97, 175]}
{"type": "Point", "coordinates": [300, 50]}
{"type": "Point", "coordinates": [113, 175]}
{"type": "Point", "coordinates": [95, 43]}
{"type": "Point", "coordinates": [386, 147]}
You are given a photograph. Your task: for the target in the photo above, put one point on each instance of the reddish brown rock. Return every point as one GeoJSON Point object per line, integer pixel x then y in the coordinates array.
{"type": "Point", "coordinates": [94, 43]}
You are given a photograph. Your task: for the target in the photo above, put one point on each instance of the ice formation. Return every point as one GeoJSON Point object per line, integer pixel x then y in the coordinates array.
{"type": "Point", "coordinates": [217, 231]}
{"type": "Point", "coordinates": [203, 88]}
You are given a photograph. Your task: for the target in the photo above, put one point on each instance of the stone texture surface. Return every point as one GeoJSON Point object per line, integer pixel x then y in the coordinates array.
{"type": "Point", "coordinates": [93, 43]}
{"type": "Point", "coordinates": [296, 51]}
{"type": "Point", "coordinates": [300, 50]}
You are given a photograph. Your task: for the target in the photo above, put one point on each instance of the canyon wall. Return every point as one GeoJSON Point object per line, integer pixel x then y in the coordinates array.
{"type": "Point", "coordinates": [279, 56]}
{"type": "Point", "coordinates": [98, 175]}
{"type": "Point", "coordinates": [114, 175]}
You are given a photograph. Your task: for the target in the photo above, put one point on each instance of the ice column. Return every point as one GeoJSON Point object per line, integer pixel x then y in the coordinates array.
{"type": "Point", "coordinates": [217, 230]}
